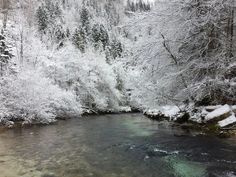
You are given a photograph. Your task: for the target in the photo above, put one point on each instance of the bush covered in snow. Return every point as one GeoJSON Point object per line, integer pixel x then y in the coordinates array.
{"type": "Point", "coordinates": [30, 96]}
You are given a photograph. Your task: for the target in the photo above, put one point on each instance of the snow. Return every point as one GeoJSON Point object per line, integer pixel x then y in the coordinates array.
{"type": "Point", "coordinates": [233, 107]}
{"type": "Point", "coordinates": [153, 112]}
{"type": "Point", "coordinates": [167, 111]}
{"type": "Point", "coordinates": [125, 109]}
{"type": "Point", "coordinates": [144, 1]}
{"type": "Point", "coordinates": [52, 80]}
{"type": "Point", "coordinates": [212, 107]}
{"type": "Point", "coordinates": [170, 110]}
{"type": "Point", "coordinates": [218, 112]}
{"type": "Point", "coordinates": [228, 121]}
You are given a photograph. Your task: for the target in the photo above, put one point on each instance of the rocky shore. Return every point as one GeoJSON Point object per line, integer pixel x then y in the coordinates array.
{"type": "Point", "coordinates": [218, 119]}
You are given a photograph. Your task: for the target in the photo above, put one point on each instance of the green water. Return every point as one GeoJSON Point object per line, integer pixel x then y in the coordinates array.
{"type": "Point", "coordinates": [126, 145]}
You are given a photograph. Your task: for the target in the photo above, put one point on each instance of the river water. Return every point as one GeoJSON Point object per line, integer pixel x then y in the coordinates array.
{"type": "Point", "coordinates": [126, 145]}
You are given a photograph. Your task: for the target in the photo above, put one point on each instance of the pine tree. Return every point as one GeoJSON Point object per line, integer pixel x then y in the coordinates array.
{"type": "Point", "coordinates": [115, 49]}
{"type": "Point", "coordinates": [5, 53]}
{"type": "Point", "coordinates": [138, 6]}
{"type": "Point", "coordinates": [99, 36]}
{"type": "Point", "coordinates": [47, 16]}
{"type": "Point", "coordinates": [79, 39]}
{"type": "Point", "coordinates": [42, 19]}
{"type": "Point", "coordinates": [85, 17]}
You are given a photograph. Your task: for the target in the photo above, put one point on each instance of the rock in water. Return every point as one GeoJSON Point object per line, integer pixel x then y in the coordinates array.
{"type": "Point", "coordinates": [218, 114]}
{"type": "Point", "coordinates": [228, 121]}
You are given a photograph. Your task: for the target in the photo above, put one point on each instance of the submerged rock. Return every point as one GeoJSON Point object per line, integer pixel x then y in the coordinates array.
{"type": "Point", "coordinates": [185, 168]}
{"type": "Point", "coordinates": [48, 175]}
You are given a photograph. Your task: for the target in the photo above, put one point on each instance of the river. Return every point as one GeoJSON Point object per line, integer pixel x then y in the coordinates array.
{"type": "Point", "coordinates": [125, 145]}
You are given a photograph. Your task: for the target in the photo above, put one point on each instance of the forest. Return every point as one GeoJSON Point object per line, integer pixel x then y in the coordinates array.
{"type": "Point", "coordinates": [68, 58]}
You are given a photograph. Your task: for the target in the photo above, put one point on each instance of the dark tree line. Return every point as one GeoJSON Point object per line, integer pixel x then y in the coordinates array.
{"type": "Point", "coordinates": [137, 6]}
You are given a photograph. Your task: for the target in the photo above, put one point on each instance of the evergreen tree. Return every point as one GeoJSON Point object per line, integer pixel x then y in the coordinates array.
{"type": "Point", "coordinates": [84, 17]}
{"type": "Point", "coordinates": [99, 36]}
{"type": "Point", "coordinates": [5, 53]}
{"type": "Point", "coordinates": [42, 19]}
{"type": "Point", "coordinates": [48, 17]}
{"type": "Point", "coordinates": [138, 6]}
{"type": "Point", "coordinates": [79, 39]}
{"type": "Point", "coordinates": [115, 49]}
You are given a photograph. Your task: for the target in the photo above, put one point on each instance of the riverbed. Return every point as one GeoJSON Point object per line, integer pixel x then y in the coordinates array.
{"type": "Point", "coordinates": [122, 145]}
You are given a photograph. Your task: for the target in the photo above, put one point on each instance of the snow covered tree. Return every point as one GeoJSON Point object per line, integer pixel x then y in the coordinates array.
{"type": "Point", "coordinates": [206, 49]}
{"type": "Point", "coordinates": [140, 5]}
{"type": "Point", "coordinates": [42, 19]}
{"type": "Point", "coordinates": [115, 49]}
{"type": "Point", "coordinates": [5, 54]}
{"type": "Point", "coordinates": [84, 19]}
{"type": "Point", "coordinates": [99, 36]}
{"type": "Point", "coordinates": [112, 14]}
{"type": "Point", "coordinates": [49, 20]}
{"type": "Point", "coordinates": [79, 39]}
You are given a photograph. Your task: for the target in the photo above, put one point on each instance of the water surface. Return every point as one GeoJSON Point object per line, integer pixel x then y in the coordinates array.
{"type": "Point", "coordinates": [126, 145]}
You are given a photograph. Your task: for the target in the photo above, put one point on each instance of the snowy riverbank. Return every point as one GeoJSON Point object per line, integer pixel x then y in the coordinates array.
{"type": "Point", "coordinates": [218, 119]}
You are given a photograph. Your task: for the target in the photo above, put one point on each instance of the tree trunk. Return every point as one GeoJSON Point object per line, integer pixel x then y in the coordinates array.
{"type": "Point", "coordinates": [21, 47]}
{"type": "Point", "coordinates": [230, 32]}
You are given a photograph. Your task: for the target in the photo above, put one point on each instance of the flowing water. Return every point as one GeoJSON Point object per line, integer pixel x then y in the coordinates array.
{"type": "Point", "coordinates": [126, 145]}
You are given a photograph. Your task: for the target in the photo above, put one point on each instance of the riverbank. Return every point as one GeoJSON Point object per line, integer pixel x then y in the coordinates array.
{"type": "Point", "coordinates": [20, 122]}
{"type": "Point", "coordinates": [210, 120]}
{"type": "Point", "coordinates": [216, 120]}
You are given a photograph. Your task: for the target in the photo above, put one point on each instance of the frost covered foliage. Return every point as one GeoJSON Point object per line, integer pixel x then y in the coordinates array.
{"type": "Point", "coordinates": [207, 50]}
{"type": "Point", "coordinates": [31, 97]}
{"type": "Point", "coordinates": [63, 63]}
{"type": "Point", "coordinates": [183, 50]}
{"type": "Point", "coordinates": [72, 56]}
{"type": "Point", "coordinates": [89, 75]}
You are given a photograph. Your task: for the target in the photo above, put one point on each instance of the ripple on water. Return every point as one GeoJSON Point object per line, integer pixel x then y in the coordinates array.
{"type": "Point", "coordinates": [125, 145]}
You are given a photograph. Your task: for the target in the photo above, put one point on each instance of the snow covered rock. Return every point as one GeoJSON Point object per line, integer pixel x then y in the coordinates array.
{"type": "Point", "coordinates": [218, 114]}
{"type": "Point", "coordinates": [163, 112]}
{"type": "Point", "coordinates": [154, 114]}
{"type": "Point", "coordinates": [9, 124]}
{"type": "Point", "coordinates": [125, 109]}
{"type": "Point", "coordinates": [170, 111]}
{"type": "Point", "coordinates": [234, 108]}
{"type": "Point", "coordinates": [212, 108]}
{"type": "Point", "coordinates": [228, 121]}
